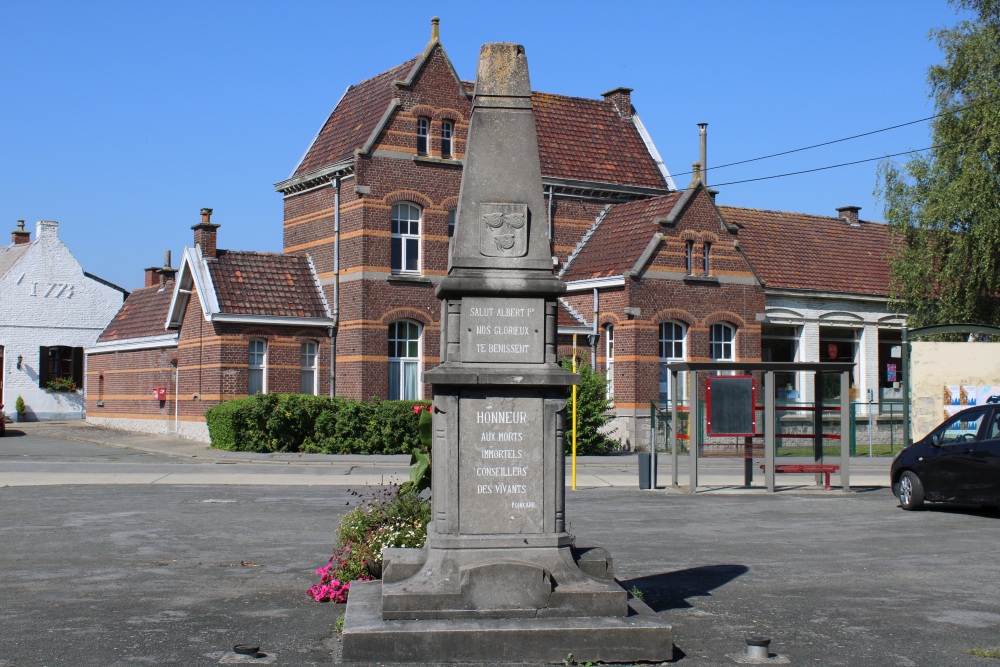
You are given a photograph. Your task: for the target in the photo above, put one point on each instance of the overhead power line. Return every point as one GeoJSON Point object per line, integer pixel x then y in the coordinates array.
{"type": "Point", "coordinates": [835, 166]}
{"type": "Point", "coordinates": [837, 141]}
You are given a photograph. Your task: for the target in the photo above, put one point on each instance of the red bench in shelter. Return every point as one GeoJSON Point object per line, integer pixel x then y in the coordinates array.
{"type": "Point", "coordinates": [824, 468]}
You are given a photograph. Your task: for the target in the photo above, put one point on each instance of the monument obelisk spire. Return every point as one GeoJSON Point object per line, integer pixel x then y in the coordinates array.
{"type": "Point", "coordinates": [497, 546]}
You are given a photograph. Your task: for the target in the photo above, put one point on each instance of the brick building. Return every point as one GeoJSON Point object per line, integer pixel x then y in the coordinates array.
{"type": "Point", "coordinates": [373, 202]}
{"type": "Point", "coordinates": [224, 325]}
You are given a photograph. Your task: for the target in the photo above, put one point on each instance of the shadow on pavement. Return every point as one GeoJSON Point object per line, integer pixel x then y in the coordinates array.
{"type": "Point", "coordinates": [670, 590]}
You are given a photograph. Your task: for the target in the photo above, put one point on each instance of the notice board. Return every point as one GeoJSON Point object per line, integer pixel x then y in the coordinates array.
{"type": "Point", "coordinates": [731, 405]}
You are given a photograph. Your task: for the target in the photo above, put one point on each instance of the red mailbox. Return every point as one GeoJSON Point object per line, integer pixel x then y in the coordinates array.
{"type": "Point", "coordinates": [160, 393]}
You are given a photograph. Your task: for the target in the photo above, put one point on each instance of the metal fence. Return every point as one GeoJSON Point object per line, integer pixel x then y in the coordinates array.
{"type": "Point", "coordinates": [875, 430]}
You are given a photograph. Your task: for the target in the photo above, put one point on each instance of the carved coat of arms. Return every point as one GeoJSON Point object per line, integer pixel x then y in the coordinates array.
{"type": "Point", "coordinates": [504, 230]}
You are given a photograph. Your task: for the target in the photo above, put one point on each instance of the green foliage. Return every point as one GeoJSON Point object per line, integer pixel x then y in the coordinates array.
{"type": "Point", "coordinates": [338, 625]}
{"type": "Point", "coordinates": [943, 207]}
{"type": "Point", "coordinates": [316, 424]}
{"type": "Point", "coordinates": [420, 460]}
{"type": "Point", "coordinates": [19, 406]}
{"type": "Point", "coordinates": [637, 593]}
{"type": "Point", "coordinates": [61, 384]}
{"type": "Point", "coordinates": [592, 405]}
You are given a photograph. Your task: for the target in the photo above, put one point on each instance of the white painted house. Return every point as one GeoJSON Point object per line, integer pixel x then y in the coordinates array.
{"type": "Point", "coordinates": [50, 309]}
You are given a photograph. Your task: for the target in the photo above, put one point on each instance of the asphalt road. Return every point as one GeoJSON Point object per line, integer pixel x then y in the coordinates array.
{"type": "Point", "coordinates": [177, 574]}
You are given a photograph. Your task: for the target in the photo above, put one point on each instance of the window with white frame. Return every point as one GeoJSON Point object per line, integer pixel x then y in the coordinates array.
{"type": "Point", "coordinates": [673, 347]}
{"type": "Point", "coordinates": [405, 238]}
{"type": "Point", "coordinates": [720, 342]}
{"type": "Point", "coordinates": [706, 254]}
{"type": "Point", "coordinates": [609, 356]}
{"type": "Point", "coordinates": [308, 366]}
{"type": "Point", "coordinates": [404, 360]}
{"type": "Point", "coordinates": [423, 129]}
{"type": "Point", "coordinates": [447, 130]}
{"type": "Point", "coordinates": [257, 377]}
{"type": "Point", "coordinates": [689, 257]}
{"type": "Point", "coordinates": [781, 343]}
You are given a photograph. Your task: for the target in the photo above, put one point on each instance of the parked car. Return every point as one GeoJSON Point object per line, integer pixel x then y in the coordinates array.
{"type": "Point", "coordinates": [959, 461]}
{"type": "Point", "coordinates": [3, 422]}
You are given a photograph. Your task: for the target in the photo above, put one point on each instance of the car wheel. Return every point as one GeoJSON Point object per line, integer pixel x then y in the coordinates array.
{"type": "Point", "coordinates": [911, 491]}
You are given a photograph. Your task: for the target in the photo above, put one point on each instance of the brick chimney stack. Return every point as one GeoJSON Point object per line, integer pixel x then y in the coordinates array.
{"type": "Point", "coordinates": [20, 236]}
{"type": "Point", "coordinates": [160, 275]}
{"type": "Point", "coordinates": [205, 234]}
{"type": "Point", "coordinates": [849, 214]}
{"type": "Point", "coordinates": [621, 100]}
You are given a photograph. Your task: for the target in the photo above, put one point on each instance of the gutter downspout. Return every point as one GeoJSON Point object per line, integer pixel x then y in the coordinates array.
{"type": "Point", "coordinates": [177, 376]}
{"type": "Point", "coordinates": [336, 286]}
{"type": "Point", "coordinates": [593, 336]}
{"type": "Point", "coordinates": [551, 194]}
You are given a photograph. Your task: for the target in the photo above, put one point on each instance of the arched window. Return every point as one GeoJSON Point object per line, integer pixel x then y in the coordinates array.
{"type": "Point", "coordinates": [673, 347]}
{"type": "Point", "coordinates": [405, 238]}
{"type": "Point", "coordinates": [404, 360]}
{"type": "Point", "coordinates": [309, 363]}
{"type": "Point", "coordinates": [720, 342]}
{"type": "Point", "coordinates": [257, 375]}
{"type": "Point", "coordinates": [609, 372]}
{"type": "Point", "coordinates": [447, 130]}
{"type": "Point", "coordinates": [423, 129]}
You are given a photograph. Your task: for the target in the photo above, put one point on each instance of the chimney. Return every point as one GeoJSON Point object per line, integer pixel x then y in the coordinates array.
{"type": "Point", "coordinates": [621, 100]}
{"type": "Point", "coordinates": [695, 173]}
{"type": "Point", "coordinates": [205, 233]}
{"type": "Point", "coordinates": [160, 275]}
{"type": "Point", "coordinates": [849, 214]}
{"type": "Point", "coordinates": [703, 137]}
{"type": "Point", "coordinates": [168, 272]}
{"type": "Point", "coordinates": [435, 30]}
{"type": "Point", "coordinates": [19, 236]}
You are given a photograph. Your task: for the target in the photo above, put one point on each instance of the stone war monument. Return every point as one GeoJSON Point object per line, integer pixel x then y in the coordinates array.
{"type": "Point", "coordinates": [500, 579]}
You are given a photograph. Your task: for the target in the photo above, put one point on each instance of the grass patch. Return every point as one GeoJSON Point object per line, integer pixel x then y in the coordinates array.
{"type": "Point", "coordinates": [985, 653]}
{"type": "Point", "coordinates": [338, 625]}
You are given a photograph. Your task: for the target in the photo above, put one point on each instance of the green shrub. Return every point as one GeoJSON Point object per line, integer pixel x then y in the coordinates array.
{"type": "Point", "coordinates": [592, 405]}
{"type": "Point", "coordinates": [317, 424]}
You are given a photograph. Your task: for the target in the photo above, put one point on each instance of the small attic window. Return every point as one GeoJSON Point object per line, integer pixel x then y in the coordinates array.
{"type": "Point", "coordinates": [423, 129]}
{"type": "Point", "coordinates": [706, 255]}
{"type": "Point", "coordinates": [447, 129]}
{"type": "Point", "coordinates": [689, 258]}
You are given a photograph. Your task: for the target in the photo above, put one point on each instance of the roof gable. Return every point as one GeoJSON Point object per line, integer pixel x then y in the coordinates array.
{"type": "Point", "coordinates": [9, 256]}
{"type": "Point", "coordinates": [800, 251]}
{"type": "Point", "coordinates": [249, 286]}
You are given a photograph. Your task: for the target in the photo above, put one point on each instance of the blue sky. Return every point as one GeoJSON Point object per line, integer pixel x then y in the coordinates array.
{"type": "Point", "coordinates": [122, 119]}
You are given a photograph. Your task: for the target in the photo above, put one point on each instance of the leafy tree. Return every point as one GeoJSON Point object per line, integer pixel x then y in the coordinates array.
{"type": "Point", "coordinates": [943, 207]}
{"type": "Point", "coordinates": [592, 405]}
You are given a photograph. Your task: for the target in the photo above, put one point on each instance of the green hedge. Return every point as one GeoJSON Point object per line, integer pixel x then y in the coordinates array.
{"type": "Point", "coordinates": [316, 424]}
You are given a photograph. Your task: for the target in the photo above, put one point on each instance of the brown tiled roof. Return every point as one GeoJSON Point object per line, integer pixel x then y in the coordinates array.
{"type": "Point", "coordinates": [354, 119]}
{"type": "Point", "coordinates": [619, 239]}
{"type": "Point", "coordinates": [586, 140]}
{"type": "Point", "coordinates": [578, 139]}
{"type": "Point", "coordinates": [143, 314]}
{"type": "Point", "coordinates": [265, 283]}
{"type": "Point", "coordinates": [800, 251]}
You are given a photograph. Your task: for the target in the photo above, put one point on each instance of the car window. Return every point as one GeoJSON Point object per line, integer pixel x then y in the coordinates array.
{"type": "Point", "coordinates": [994, 431]}
{"type": "Point", "coordinates": [962, 428]}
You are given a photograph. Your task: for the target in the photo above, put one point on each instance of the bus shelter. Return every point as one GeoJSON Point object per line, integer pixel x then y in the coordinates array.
{"type": "Point", "coordinates": [767, 369]}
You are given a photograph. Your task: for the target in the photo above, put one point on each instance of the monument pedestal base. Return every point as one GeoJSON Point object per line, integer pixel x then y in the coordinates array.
{"type": "Point", "coordinates": [639, 636]}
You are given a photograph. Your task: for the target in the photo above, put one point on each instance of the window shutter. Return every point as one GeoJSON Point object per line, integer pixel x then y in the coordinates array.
{"type": "Point", "coordinates": [78, 367]}
{"type": "Point", "coordinates": [43, 366]}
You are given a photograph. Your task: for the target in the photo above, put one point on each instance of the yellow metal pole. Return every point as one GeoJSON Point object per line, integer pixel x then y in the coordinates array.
{"type": "Point", "coordinates": [574, 417]}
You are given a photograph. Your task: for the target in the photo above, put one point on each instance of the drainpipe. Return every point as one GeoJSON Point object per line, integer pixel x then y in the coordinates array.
{"type": "Point", "coordinates": [336, 287]}
{"type": "Point", "coordinates": [593, 336]}
{"type": "Point", "coordinates": [177, 375]}
{"type": "Point", "coordinates": [551, 193]}
{"type": "Point", "coordinates": [905, 351]}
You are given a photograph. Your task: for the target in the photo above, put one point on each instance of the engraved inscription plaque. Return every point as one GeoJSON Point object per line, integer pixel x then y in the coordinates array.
{"type": "Point", "coordinates": [503, 230]}
{"type": "Point", "coordinates": [500, 466]}
{"type": "Point", "coordinates": [503, 330]}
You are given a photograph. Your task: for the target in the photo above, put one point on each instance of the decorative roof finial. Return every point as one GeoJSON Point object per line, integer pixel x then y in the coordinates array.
{"type": "Point", "coordinates": [435, 29]}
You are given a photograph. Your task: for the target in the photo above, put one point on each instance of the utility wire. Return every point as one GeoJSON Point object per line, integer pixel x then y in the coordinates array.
{"type": "Point", "coordinates": [837, 141]}
{"type": "Point", "coordinates": [834, 166]}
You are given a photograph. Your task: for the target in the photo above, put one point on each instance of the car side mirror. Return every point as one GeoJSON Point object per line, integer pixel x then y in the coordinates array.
{"type": "Point", "coordinates": [935, 440]}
